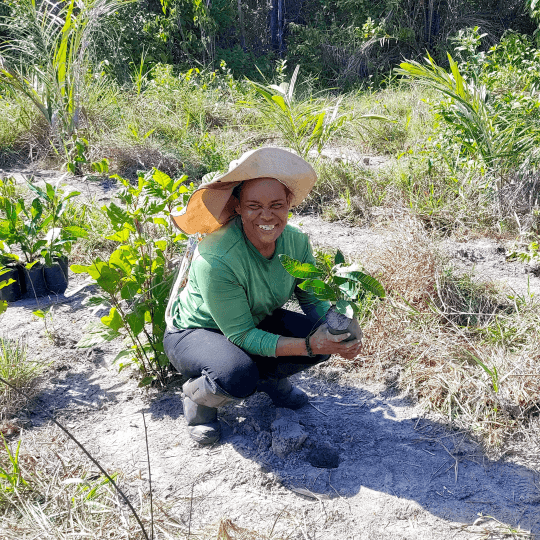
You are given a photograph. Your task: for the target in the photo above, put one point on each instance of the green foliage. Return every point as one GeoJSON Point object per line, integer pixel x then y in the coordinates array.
{"type": "Point", "coordinates": [136, 279]}
{"type": "Point", "coordinates": [477, 129]}
{"type": "Point", "coordinates": [11, 479]}
{"type": "Point", "coordinates": [76, 151]}
{"type": "Point", "coordinates": [303, 123]}
{"type": "Point", "coordinates": [46, 56]}
{"type": "Point", "coordinates": [36, 227]}
{"type": "Point", "coordinates": [334, 281]}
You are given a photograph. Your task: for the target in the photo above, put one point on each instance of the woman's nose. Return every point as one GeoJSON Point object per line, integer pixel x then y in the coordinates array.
{"type": "Point", "coordinates": [266, 213]}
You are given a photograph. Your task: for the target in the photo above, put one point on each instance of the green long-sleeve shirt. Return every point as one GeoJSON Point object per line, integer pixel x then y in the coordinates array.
{"type": "Point", "coordinates": [232, 287]}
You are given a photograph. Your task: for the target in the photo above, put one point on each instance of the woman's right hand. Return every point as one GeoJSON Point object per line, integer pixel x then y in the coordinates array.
{"type": "Point", "coordinates": [323, 342]}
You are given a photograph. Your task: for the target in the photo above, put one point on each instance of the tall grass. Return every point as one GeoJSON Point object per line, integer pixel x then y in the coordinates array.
{"type": "Point", "coordinates": [46, 56]}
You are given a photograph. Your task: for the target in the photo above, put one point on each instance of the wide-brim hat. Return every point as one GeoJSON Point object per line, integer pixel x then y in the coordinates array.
{"type": "Point", "coordinates": [212, 204]}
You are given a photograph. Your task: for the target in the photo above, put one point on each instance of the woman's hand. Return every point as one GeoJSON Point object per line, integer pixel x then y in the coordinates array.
{"type": "Point", "coordinates": [323, 342]}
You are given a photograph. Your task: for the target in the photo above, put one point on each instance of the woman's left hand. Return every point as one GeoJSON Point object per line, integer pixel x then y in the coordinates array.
{"type": "Point", "coordinates": [355, 348]}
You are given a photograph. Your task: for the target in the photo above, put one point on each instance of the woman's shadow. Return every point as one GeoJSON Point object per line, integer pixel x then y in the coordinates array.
{"type": "Point", "coordinates": [379, 446]}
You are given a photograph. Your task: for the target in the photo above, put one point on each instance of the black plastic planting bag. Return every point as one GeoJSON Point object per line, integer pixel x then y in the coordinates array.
{"type": "Point", "coordinates": [56, 276]}
{"type": "Point", "coordinates": [11, 292]}
{"type": "Point", "coordinates": [34, 282]}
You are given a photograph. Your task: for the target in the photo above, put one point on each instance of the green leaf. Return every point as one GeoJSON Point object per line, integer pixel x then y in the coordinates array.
{"type": "Point", "coordinates": [180, 237]}
{"type": "Point", "coordinates": [113, 320]}
{"type": "Point", "coordinates": [161, 244]}
{"type": "Point", "coordinates": [129, 290]}
{"type": "Point", "coordinates": [160, 221]}
{"type": "Point", "coordinates": [79, 269]}
{"type": "Point", "coordinates": [7, 282]}
{"type": "Point", "coordinates": [119, 236]}
{"type": "Point", "coordinates": [125, 353]}
{"type": "Point", "coordinates": [117, 215]}
{"type": "Point", "coordinates": [145, 381]}
{"type": "Point", "coordinates": [136, 322]}
{"type": "Point", "coordinates": [349, 288]}
{"type": "Point", "coordinates": [318, 287]}
{"type": "Point", "coordinates": [76, 232]}
{"type": "Point", "coordinates": [369, 283]}
{"type": "Point", "coordinates": [162, 360]}
{"type": "Point", "coordinates": [344, 307]}
{"type": "Point", "coordinates": [339, 258]}
{"type": "Point", "coordinates": [118, 259]}
{"type": "Point", "coordinates": [3, 306]}
{"type": "Point", "coordinates": [108, 278]}
{"type": "Point", "coordinates": [298, 269]}
{"type": "Point", "coordinates": [281, 102]}
{"type": "Point", "coordinates": [39, 313]}
{"type": "Point", "coordinates": [164, 180]}
{"type": "Point", "coordinates": [97, 333]}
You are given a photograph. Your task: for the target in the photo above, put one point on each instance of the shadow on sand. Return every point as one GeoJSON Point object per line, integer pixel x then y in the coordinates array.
{"type": "Point", "coordinates": [382, 448]}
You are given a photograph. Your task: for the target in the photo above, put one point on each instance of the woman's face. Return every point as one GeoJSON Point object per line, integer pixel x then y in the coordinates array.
{"type": "Point", "coordinates": [264, 208]}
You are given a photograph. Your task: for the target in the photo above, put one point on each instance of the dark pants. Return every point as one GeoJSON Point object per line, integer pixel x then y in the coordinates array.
{"type": "Point", "coordinates": [195, 350]}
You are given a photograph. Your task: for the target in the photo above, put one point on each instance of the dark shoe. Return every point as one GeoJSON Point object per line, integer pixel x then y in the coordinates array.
{"type": "Point", "coordinates": [201, 400]}
{"type": "Point", "coordinates": [283, 393]}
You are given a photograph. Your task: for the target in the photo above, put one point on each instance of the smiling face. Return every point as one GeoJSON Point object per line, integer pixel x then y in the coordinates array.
{"type": "Point", "coordinates": [264, 209]}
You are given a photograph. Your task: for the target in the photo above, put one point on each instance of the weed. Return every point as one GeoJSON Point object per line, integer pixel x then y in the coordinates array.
{"type": "Point", "coordinates": [19, 370]}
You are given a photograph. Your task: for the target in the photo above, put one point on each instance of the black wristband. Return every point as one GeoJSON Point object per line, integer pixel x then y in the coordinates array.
{"type": "Point", "coordinates": [308, 346]}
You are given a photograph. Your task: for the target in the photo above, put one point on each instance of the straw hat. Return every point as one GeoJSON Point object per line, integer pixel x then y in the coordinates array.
{"type": "Point", "coordinates": [212, 204]}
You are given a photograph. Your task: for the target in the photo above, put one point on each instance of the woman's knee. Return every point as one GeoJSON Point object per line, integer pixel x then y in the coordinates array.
{"type": "Point", "coordinates": [193, 351]}
{"type": "Point", "coordinates": [237, 376]}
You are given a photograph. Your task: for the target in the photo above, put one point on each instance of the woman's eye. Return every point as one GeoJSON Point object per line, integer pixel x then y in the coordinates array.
{"type": "Point", "coordinates": [277, 206]}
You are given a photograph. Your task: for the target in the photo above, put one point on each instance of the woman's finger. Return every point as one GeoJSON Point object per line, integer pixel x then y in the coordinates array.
{"type": "Point", "coordinates": [336, 338]}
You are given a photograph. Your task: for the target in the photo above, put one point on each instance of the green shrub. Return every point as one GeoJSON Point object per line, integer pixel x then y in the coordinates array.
{"type": "Point", "coordinates": [135, 280]}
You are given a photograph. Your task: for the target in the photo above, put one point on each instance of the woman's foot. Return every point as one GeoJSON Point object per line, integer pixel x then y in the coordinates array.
{"type": "Point", "coordinates": [283, 393]}
{"type": "Point", "coordinates": [201, 400]}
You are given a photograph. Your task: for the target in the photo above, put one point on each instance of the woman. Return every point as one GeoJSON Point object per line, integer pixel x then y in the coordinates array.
{"type": "Point", "coordinates": [231, 335]}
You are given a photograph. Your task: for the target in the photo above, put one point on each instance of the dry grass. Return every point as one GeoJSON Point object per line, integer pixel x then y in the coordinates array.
{"type": "Point", "coordinates": [460, 346]}
{"type": "Point", "coordinates": [56, 495]}
{"type": "Point", "coordinates": [19, 370]}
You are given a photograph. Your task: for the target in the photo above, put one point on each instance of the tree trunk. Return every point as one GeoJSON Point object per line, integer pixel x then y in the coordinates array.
{"type": "Point", "coordinates": [241, 26]}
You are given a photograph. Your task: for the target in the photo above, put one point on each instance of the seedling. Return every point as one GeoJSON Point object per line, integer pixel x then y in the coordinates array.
{"type": "Point", "coordinates": [337, 283]}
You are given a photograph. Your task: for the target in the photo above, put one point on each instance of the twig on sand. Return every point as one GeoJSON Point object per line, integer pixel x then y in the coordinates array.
{"type": "Point", "coordinates": [149, 478]}
{"type": "Point", "coordinates": [190, 509]}
{"type": "Point", "coordinates": [317, 409]}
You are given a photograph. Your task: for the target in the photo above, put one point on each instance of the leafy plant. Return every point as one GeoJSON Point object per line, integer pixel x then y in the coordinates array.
{"type": "Point", "coordinates": [304, 124]}
{"type": "Point", "coordinates": [334, 281]}
{"type": "Point", "coordinates": [136, 279]}
{"type": "Point", "coordinates": [11, 479]}
{"type": "Point", "coordinates": [59, 239]}
{"type": "Point", "coordinates": [46, 57]}
{"type": "Point", "coordinates": [34, 227]}
{"type": "Point", "coordinates": [475, 126]}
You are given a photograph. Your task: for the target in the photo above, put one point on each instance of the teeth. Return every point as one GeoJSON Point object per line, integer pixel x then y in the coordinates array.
{"type": "Point", "coordinates": [266, 227]}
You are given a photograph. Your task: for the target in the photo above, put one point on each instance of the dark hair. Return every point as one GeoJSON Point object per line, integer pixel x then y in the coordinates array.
{"type": "Point", "coordinates": [238, 190]}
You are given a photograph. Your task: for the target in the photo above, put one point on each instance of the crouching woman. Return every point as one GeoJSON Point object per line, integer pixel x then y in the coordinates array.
{"type": "Point", "coordinates": [230, 333]}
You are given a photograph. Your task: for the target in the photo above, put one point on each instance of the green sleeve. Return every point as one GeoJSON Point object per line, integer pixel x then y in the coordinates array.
{"type": "Point", "coordinates": [309, 303]}
{"type": "Point", "coordinates": [228, 304]}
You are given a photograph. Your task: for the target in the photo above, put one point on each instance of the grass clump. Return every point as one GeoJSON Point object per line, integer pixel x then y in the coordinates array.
{"type": "Point", "coordinates": [18, 370]}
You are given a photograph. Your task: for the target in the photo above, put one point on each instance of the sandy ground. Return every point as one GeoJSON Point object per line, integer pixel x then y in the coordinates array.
{"type": "Point", "coordinates": [400, 474]}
